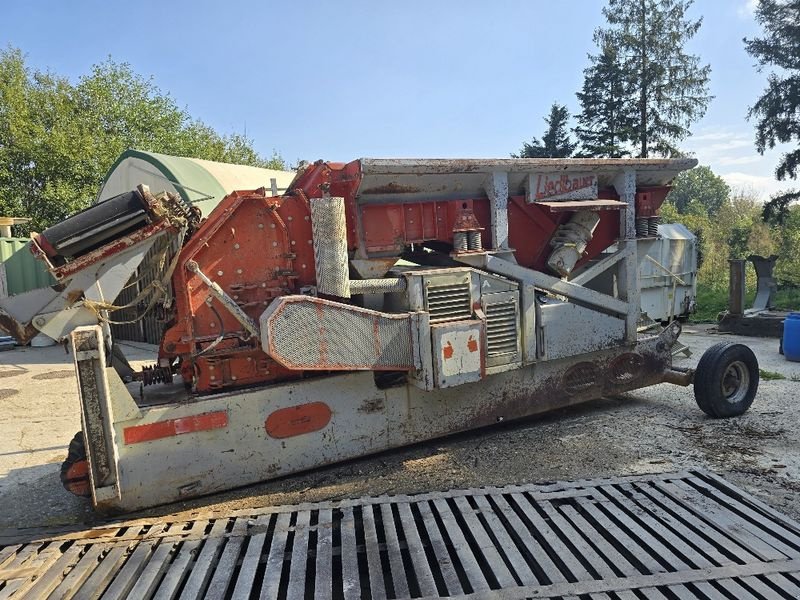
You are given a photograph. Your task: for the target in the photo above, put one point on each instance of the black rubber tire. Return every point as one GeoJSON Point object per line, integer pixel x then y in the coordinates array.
{"type": "Point", "coordinates": [713, 372]}
{"type": "Point", "coordinates": [75, 453]}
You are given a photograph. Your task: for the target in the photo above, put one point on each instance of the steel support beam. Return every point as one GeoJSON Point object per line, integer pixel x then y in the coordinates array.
{"type": "Point", "coordinates": [625, 184]}
{"type": "Point", "coordinates": [496, 187]}
{"type": "Point", "coordinates": [628, 272]}
{"type": "Point", "coordinates": [628, 289]}
{"type": "Point", "coordinates": [556, 285]}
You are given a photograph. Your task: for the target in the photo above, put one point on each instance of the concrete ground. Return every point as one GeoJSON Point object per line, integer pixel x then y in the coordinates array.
{"type": "Point", "coordinates": [652, 430]}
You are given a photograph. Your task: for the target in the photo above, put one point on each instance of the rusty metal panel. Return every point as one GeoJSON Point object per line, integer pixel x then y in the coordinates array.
{"type": "Point", "coordinates": [413, 218]}
{"type": "Point", "coordinates": [389, 226]}
{"type": "Point", "coordinates": [673, 535]}
{"type": "Point", "coordinates": [23, 271]}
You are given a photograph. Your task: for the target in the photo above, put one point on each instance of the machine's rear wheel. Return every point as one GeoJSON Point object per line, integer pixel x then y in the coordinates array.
{"type": "Point", "coordinates": [75, 469]}
{"type": "Point", "coordinates": [726, 380]}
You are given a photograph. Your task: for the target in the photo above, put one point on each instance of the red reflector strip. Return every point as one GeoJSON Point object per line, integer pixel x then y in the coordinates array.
{"type": "Point", "coordinates": [162, 429]}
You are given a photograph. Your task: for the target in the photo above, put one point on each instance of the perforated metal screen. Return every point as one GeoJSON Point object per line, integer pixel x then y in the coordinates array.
{"type": "Point", "coordinates": [330, 246]}
{"type": "Point", "coordinates": [310, 333]}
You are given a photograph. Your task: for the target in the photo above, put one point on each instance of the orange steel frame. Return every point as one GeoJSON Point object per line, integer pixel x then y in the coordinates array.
{"type": "Point", "coordinates": [257, 248]}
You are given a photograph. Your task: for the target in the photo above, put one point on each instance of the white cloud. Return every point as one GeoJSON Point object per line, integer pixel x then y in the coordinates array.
{"type": "Point", "coordinates": [722, 147]}
{"type": "Point", "coordinates": [731, 154]}
{"type": "Point", "coordinates": [712, 135]}
{"type": "Point", "coordinates": [728, 145]}
{"type": "Point", "coordinates": [730, 161]}
{"type": "Point", "coordinates": [747, 9]}
{"type": "Point", "coordinates": [762, 185]}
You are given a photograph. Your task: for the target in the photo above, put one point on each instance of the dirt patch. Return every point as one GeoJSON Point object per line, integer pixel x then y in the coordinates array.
{"type": "Point", "coordinates": [426, 462]}
{"type": "Point", "coordinates": [7, 393]}
{"type": "Point", "coordinates": [732, 444]}
{"type": "Point", "coordinates": [12, 372]}
{"type": "Point", "coordinates": [54, 375]}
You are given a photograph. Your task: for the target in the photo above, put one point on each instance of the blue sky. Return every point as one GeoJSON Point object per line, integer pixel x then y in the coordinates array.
{"type": "Point", "coordinates": [344, 78]}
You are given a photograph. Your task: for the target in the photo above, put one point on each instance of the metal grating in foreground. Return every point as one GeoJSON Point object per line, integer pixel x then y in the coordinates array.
{"type": "Point", "coordinates": [682, 535]}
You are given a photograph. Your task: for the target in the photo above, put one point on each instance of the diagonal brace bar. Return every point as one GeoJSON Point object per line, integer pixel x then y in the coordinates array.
{"type": "Point", "coordinates": [556, 286]}
{"type": "Point", "coordinates": [602, 266]}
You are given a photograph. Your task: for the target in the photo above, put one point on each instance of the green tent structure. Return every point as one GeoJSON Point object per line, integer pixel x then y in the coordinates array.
{"type": "Point", "coordinates": [201, 182]}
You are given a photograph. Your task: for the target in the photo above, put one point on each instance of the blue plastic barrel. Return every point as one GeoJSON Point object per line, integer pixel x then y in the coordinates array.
{"type": "Point", "coordinates": [791, 337]}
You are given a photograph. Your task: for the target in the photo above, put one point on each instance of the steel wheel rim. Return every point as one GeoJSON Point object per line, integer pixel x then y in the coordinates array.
{"type": "Point", "coordinates": [735, 382]}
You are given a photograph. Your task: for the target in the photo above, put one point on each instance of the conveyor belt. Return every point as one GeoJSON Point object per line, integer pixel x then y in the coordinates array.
{"type": "Point", "coordinates": [683, 535]}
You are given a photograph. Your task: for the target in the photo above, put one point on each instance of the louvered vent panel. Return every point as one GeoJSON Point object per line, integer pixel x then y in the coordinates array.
{"type": "Point", "coordinates": [501, 329]}
{"type": "Point", "coordinates": [449, 302]}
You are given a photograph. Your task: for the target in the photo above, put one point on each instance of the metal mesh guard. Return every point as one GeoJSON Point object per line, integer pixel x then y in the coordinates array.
{"type": "Point", "coordinates": [306, 333]}
{"type": "Point", "coordinates": [329, 231]}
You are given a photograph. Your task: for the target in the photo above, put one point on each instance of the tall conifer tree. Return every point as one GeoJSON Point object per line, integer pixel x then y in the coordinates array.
{"type": "Point", "coordinates": [556, 141]}
{"type": "Point", "coordinates": [606, 120]}
{"type": "Point", "coordinates": [777, 111]}
{"type": "Point", "coordinates": [667, 87]}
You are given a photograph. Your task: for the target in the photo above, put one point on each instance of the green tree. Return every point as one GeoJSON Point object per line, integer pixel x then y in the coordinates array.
{"type": "Point", "coordinates": [776, 209]}
{"type": "Point", "coordinates": [669, 86]}
{"type": "Point", "coordinates": [556, 141]}
{"type": "Point", "coordinates": [777, 111]}
{"type": "Point", "coordinates": [699, 185]}
{"type": "Point", "coordinates": [788, 266]}
{"type": "Point", "coordinates": [606, 120]}
{"type": "Point", "coordinates": [58, 138]}
{"type": "Point", "coordinates": [763, 239]}
{"type": "Point", "coordinates": [738, 241]}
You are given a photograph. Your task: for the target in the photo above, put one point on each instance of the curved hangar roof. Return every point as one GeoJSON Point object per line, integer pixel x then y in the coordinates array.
{"type": "Point", "coordinates": [202, 182]}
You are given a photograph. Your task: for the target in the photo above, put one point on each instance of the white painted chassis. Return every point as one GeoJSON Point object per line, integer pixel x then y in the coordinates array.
{"type": "Point", "coordinates": [365, 420]}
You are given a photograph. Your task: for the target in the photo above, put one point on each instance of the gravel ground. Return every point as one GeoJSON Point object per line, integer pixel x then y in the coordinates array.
{"type": "Point", "coordinates": [657, 429]}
